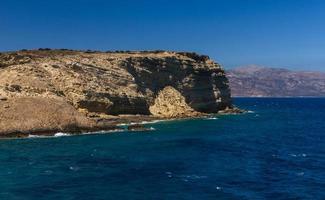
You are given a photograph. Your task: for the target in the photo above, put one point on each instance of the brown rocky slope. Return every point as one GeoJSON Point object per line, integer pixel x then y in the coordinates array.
{"type": "Point", "coordinates": [45, 91]}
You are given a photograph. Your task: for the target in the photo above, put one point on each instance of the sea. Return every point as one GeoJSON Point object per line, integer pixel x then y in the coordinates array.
{"type": "Point", "coordinates": [275, 151]}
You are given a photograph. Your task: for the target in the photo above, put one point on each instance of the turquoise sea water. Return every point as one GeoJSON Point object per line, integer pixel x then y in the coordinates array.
{"type": "Point", "coordinates": [275, 152]}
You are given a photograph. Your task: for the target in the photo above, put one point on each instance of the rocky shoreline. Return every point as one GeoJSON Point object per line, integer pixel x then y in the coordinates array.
{"type": "Point", "coordinates": [43, 92]}
{"type": "Point", "coordinates": [130, 123]}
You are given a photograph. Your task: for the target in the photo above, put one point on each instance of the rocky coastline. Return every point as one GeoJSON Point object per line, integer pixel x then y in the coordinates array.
{"type": "Point", "coordinates": [46, 91]}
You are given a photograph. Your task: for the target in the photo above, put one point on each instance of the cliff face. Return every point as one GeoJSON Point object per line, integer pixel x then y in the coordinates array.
{"type": "Point", "coordinates": [275, 82]}
{"type": "Point", "coordinates": [98, 85]}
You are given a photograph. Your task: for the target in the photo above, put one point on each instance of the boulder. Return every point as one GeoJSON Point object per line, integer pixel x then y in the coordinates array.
{"type": "Point", "coordinates": [170, 103]}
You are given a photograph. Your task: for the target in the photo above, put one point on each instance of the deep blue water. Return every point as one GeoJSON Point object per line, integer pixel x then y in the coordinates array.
{"type": "Point", "coordinates": [277, 152]}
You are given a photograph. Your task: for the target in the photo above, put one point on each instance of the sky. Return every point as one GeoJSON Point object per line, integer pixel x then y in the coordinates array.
{"type": "Point", "coordinates": [275, 33]}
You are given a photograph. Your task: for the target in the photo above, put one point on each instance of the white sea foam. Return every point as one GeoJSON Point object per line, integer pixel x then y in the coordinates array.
{"type": "Point", "coordinates": [211, 118]}
{"type": "Point", "coordinates": [39, 136]}
{"type": "Point", "coordinates": [48, 172]}
{"type": "Point", "coordinates": [191, 177]}
{"type": "Point", "coordinates": [185, 178]}
{"type": "Point", "coordinates": [300, 173]}
{"type": "Point", "coordinates": [36, 136]}
{"type": "Point", "coordinates": [61, 134]}
{"type": "Point", "coordinates": [218, 188]}
{"type": "Point", "coordinates": [48, 136]}
{"type": "Point", "coordinates": [250, 111]}
{"type": "Point", "coordinates": [298, 155]}
{"type": "Point", "coordinates": [142, 122]}
{"type": "Point", "coordinates": [169, 174]}
{"type": "Point", "coordinates": [72, 168]}
{"type": "Point", "coordinates": [122, 124]}
{"type": "Point", "coordinates": [103, 132]}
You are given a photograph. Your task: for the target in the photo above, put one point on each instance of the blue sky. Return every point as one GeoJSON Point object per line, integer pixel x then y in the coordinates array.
{"type": "Point", "coordinates": [277, 33]}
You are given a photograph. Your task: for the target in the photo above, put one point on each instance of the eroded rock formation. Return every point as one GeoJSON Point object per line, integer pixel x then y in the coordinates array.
{"type": "Point", "coordinates": [82, 90]}
{"type": "Point", "coordinates": [171, 104]}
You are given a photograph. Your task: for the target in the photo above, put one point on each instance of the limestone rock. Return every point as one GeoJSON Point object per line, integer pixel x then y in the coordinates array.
{"type": "Point", "coordinates": [80, 89]}
{"type": "Point", "coordinates": [2, 98]}
{"type": "Point", "coordinates": [30, 114]}
{"type": "Point", "coordinates": [171, 104]}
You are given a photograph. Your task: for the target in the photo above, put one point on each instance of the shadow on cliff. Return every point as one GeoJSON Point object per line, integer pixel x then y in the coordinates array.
{"type": "Point", "coordinates": [197, 86]}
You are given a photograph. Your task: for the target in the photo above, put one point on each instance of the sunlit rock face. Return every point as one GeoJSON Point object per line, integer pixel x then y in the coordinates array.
{"type": "Point", "coordinates": [113, 83]}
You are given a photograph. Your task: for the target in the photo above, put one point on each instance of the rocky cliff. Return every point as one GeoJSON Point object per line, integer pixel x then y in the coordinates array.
{"type": "Point", "coordinates": [255, 81]}
{"type": "Point", "coordinates": [63, 90]}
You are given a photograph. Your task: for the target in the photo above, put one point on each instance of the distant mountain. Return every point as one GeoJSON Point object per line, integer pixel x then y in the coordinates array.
{"type": "Point", "coordinates": [255, 81]}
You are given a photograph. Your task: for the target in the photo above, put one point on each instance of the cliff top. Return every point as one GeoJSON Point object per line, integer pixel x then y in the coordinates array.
{"type": "Point", "coordinates": [24, 55]}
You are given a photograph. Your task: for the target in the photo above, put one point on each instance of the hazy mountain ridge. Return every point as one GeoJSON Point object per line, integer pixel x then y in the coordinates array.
{"type": "Point", "coordinates": [256, 81]}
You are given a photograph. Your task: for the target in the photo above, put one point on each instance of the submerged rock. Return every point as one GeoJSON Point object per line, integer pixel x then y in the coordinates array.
{"type": "Point", "coordinates": [137, 127]}
{"type": "Point", "coordinates": [232, 110]}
